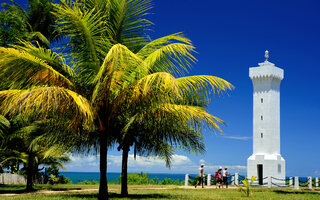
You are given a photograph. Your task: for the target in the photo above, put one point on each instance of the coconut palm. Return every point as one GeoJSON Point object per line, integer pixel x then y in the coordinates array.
{"type": "Point", "coordinates": [172, 129]}
{"type": "Point", "coordinates": [158, 140]}
{"type": "Point", "coordinates": [37, 23]}
{"type": "Point", "coordinates": [33, 144]}
{"type": "Point", "coordinates": [110, 68]}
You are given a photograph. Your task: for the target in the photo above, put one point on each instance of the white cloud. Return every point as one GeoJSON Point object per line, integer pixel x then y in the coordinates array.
{"type": "Point", "coordinates": [80, 163]}
{"type": "Point", "coordinates": [93, 164]}
{"type": "Point", "coordinates": [180, 164]}
{"type": "Point", "coordinates": [201, 161]}
{"type": "Point", "coordinates": [237, 137]}
{"type": "Point", "coordinates": [141, 161]}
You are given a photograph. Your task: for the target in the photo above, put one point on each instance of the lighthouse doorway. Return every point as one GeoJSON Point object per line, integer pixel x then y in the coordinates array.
{"type": "Point", "coordinates": [260, 174]}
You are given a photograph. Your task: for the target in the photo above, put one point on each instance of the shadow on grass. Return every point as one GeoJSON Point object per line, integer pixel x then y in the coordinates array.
{"type": "Point", "coordinates": [15, 189]}
{"type": "Point", "coordinates": [9, 189]}
{"type": "Point", "coordinates": [296, 192]}
{"type": "Point", "coordinates": [119, 196]}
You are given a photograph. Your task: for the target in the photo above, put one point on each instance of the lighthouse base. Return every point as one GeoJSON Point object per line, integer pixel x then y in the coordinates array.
{"type": "Point", "coordinates": [264, 165]}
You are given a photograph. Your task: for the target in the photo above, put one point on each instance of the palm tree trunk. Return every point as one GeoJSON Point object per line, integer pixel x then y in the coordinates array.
{"type": "Point", "coordinates": [103, 188]}
{"type": "Point", "coordinates": [30, 171]}
{"type": "Point", "coordinates": [124, 171]}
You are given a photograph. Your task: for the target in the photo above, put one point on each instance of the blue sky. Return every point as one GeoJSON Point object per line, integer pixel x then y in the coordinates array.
{"type": "Point", "coordinates": [231, 36]}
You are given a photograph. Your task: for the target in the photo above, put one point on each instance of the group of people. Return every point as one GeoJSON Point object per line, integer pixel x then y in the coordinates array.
{"type": "Point", "coordinates": [221, 176]}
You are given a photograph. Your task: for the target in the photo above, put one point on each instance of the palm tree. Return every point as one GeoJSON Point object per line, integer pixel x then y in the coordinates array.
{"type": "Point", "coordinates": [33, 144]}
{"type": "Point", "coordinates": [183, 132]}
{"type": "Point", "coordinates": [104, 76]}
{"type": "Point", "coordinates": [158, 140]}
{"type": "Point", "coordinates": [4, 127]}
{"type": "Point", "coordinates": [36, 24]}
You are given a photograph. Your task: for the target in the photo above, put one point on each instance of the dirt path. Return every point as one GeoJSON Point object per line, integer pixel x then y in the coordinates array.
{"type": "Point", "coordinates": [48, 192]}
{"type": "Point", "coordinates": [110, 189]}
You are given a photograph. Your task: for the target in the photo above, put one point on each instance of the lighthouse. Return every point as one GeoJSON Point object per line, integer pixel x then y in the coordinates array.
{"type": "Point", "coordinates": [266, 159]}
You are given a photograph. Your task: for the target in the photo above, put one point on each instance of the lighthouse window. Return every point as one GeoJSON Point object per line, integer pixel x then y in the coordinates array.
{"type": "Point", "coordinates": [279, 168]}
{"type": "Point", "coordinates": [261, 135]}
{"type": "Point", "coordinates": [261, 100]}
{"type": "Point", "coordinates": [261, 117]}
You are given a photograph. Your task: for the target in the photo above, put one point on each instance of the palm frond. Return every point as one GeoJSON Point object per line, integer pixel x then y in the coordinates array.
{"type": "Point", "coordinates": [13, 155]}
{"type": "Point", "coordinates": [20, 69]}
{"type": "Point", "coordinates": [4, 123]}
{"type": "Point", "coordinates": [156, 148]}
{"type": "Point", "coordinates": [55, 60]}
{"type": "Point", "coordinates": [172, 54]}
{"type": "Point", "coordinates": [16, 8]}
{"type": "Point", "coordinates": [185, 115]}
{"type": "Point", "coordinates": [48, 101]}
{"type": "Point", "coordinates": [4, 127]}
{"type": "Point", "coordinates": [156, 44]}
{"type": "Point", "coordinates": [39, 37]}
{"type": "Point", "coordinates": [87, 47]}
{"type": "Point", "coordinates": [201, 86]}
{"type": "Point", "coordinates": [160, 85]}
{"type": "Point", "coordinates": [127, 23]}
{"type": "Point", "coordinates": [120, 69]}
{"type": "Point", "coordinates": [196, 117]}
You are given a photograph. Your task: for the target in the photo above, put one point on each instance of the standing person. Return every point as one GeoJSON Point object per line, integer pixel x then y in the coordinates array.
{"type": "Point", "coordinates": [218, 176]}
{"type": "Point", "coordinates": [225, 175]}
{"type": "Point", "coordinates": [200, 181]}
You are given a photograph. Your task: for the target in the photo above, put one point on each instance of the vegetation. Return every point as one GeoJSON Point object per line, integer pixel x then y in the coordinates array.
{"type": "Point", "coordinates": [28, 142]}
{"type": "Point", "coordinates": [53, 173]}
{"type": "Point", "coordinates": [109, 80]}
{"type": "Point", "coordinates": [87, 182]}
{"type": "Point", "coordinates": [143, 179]}
{"type": "Point", "coordinates": [37, 24]}
{"type": "Point", "coordinates": [246, 185]}
{"type": "Point", "coordinates": [171, 192]}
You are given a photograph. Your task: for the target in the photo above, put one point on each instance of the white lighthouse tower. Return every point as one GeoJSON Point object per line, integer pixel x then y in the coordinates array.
{"type": "Point", "coordinates": [266, 159]}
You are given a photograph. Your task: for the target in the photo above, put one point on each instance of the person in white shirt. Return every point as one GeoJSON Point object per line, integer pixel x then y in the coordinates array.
{"type": "Point", "coordinates": [225, 175]}
{"type": "Point", "coordinates": [200, 181]}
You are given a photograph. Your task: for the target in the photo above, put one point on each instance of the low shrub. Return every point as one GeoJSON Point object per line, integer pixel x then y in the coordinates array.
{"type": "Point", "coordinates": [64, 180]}
{"type": "Point", "coordinates": [87, 182]}
{"type": "Point", "coordinates": [143, 178]}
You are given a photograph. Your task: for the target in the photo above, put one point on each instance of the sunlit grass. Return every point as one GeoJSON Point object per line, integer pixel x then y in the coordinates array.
{"type": "Point", "coordinates": [157, 192]}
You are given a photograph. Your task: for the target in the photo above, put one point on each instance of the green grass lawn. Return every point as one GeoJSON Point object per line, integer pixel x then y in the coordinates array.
{"type": "Point", "coordinates": [20, 188]}
{"type": "Point", "coordinates": [159, 192]}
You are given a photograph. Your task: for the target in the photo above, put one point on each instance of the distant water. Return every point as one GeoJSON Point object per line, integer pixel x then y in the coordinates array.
{"type": "Point", "coordinates": [76, 177]}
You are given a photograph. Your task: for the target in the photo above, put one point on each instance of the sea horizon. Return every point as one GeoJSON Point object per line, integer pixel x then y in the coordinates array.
{"type": "Point", "coordinates": [77, 177]}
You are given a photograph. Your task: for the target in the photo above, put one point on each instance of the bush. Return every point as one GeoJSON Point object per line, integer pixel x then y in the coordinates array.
{"type": "Point", "coordinates": [57, 178]}
{"type": "Point", "coordinates": [87, 182]}
{"type": "Point", "coordinates": [154, 181]}
{"type": "Point", "coordinates": [64, 180]}
{"type": "Point", "coordinates": [143, 178]}
{"type": "Point", "coordinates": [138, 178]}
{"type": "Point", "coordinates": [94, 182]}
{"type": "Point", "coordinates": [53, 179]}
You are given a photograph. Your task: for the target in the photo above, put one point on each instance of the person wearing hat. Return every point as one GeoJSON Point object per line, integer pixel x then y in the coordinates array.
{"type": "Point", "coordinates": [225, 175]}
{"type": "Point", "coordinates": [200, 181]}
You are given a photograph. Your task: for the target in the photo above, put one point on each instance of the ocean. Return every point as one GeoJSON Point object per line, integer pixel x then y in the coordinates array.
{"type": "Point", "coordinates": [76, 177]}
